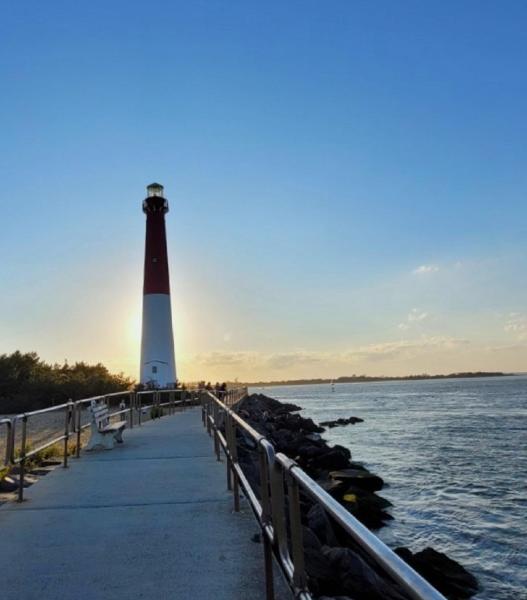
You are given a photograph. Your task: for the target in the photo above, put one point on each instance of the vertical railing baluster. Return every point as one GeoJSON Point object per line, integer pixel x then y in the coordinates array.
{"type": "Point", "coordinates": [77, 409]}
{"type": "Point", "coordinates": [67, 419]}
{"type": "Point", "coordinates": [209, 431]}
{"type": "Point", "coordinates": [228, 441]}
{"type": "Point", "coordinates": [266, 519]}
{"type": "Point", "coordinates": [13, 437]}
{"type": "Point", "coordinates": [216, 438]}
{"type": "Point", "coordinates": [278, 511]}
{"type": "Point", "coordinates": [22, 463]}
{"type": "Point", "coordinates": [131, 411]}
{"type": "Point", "coordinates": [234, 454]}
{"type": "Point", "coordinates": [295, 525]}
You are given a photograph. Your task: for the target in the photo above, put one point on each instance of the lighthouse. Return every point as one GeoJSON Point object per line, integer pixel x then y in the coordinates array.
{"type": "Point", "coordinates": [158, 363]}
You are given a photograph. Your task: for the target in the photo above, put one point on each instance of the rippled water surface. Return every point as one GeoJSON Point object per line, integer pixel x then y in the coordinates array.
{"type": "Point", "coordinates": [453, 454]}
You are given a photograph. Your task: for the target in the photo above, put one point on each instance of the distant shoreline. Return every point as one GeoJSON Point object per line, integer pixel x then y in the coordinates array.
{"type": "Point", "coordinates": [372, 379]}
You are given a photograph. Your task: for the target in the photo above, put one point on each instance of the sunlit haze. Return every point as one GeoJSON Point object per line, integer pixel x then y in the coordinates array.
{"type": "Point", "coordinates": [347, 183]}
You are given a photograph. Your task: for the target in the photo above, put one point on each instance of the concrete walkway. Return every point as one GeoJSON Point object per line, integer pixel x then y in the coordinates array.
{"type": "Point", "coordinates": [150, 519]}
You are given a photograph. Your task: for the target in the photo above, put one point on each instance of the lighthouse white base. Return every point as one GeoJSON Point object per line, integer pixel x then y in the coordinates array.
{"type": "Point", "coordinates": [158, 363]}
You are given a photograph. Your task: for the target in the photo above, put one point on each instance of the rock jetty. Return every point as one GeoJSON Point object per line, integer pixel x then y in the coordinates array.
{"type": "Point", "coordinates": [335, 565]}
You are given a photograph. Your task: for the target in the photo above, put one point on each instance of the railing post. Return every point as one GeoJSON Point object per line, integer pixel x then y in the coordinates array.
{"type": "Point", "coordinates": [67, 433]}
{"type": "Point", "coordinates": [9, 444]}
{"type": "Point", "coordinates": [13, 437]}
{"type": "Point", "coordinates": [131, 412]}
{"type": "Point", "coordinates": [295, 524]}
{"type": "Point", "coordinates": [234, 455]}
{"type": "Point", "coordinates": [8, 452]}
{"type": "Point", "coordinates": [22, 464]}
{"type": "Point", "coordinates": [227, 439]}
{"type": "Point", "coordinates": [215, 432]}
{"type": "Point", "coordinates": [139, 408]}
{"type": "Point", "coordinates": [278, 510]}
{"type": "Point", "coordinates": [77, 427]}
{"type": "Point", "coordinates": [208, 414]}
{"type": "Point", "coordinates": [266, 521]}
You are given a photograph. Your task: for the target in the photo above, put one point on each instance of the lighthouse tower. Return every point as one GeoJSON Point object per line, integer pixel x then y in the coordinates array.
{"type": "Point", "coordinates": [158, 363]}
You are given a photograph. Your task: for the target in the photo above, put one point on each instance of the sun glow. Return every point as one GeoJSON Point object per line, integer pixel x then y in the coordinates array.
{"type": "Point", "coordinates": [133, 328]}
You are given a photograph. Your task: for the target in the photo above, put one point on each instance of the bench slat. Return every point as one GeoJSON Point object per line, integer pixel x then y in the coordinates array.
{"type": "Point", "coordinates": [113, 426]}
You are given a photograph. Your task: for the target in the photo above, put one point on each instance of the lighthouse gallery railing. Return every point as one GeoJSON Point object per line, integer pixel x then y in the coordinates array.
{"type": "Point", "coordinates": [279, 515]}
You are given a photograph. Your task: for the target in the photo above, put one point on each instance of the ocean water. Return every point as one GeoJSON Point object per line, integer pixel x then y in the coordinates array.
{"type": "Point", "coordinates": [453, 455]}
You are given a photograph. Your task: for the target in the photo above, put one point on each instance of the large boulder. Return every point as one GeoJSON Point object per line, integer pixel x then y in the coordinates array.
{"type": "Point", "coordinates": [358, 578]}
{"type": "Point", "coordinates": [321, 526]}
{"type": "Point", "coordinates": [445, 574]}
{"type": "Point", "coordinates": [263, 403]}
{"type": "Point", "coordinates": [341, 422]}
{"type": "Point", "coordinates": [334, 458]}
{"type": "Point", "coordinates": [295, 422]}
{"type": "Point", "coordinates": [321, 575]}
{"type": "Point", "coordinates": [367, 507]}
{"type": "Point", "coordinates": [359, 478]}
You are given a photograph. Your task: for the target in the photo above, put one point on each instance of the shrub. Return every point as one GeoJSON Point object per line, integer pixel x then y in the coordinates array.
{"type": "Point", "coordinates": [28, 383]}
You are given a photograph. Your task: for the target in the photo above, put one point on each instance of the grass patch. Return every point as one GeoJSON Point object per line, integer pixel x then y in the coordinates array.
{"type": "Point", "coordinates": [54, 452]}
{"type": "Point", "coordinates": [4, 471]}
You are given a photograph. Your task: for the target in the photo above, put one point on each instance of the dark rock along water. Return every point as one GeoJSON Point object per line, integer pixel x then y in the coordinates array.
{"type": "Point", "coordinates": [453, 454]}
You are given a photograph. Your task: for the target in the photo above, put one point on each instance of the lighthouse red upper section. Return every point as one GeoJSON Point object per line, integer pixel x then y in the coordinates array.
{"type": "Point", "coordinates": [156, 279]}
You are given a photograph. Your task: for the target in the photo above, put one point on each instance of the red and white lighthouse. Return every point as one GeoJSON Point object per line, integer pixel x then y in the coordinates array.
{"type": "Point", "coordinates": [158, 363]}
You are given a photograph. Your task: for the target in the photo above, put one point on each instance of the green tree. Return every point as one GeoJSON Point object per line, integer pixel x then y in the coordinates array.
{"type": "Point", "coordinates": [28, 383]}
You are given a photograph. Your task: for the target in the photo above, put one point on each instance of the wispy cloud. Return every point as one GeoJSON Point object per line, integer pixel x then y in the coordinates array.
{"type": "Point", "coordinates": [275, 360]}
{"type": "Point", "coordinates": [414, 316]}
{"type": "Point", "coordinates": [225, 359]}
{"type": "Point", "coordinates": [517, 325]}
{"type": "Point", "coordinates": [405, 348]}
{"type": "Point", "coordinates": [368, 353]}
{"type": "Point", "coordinates": [423, 269]}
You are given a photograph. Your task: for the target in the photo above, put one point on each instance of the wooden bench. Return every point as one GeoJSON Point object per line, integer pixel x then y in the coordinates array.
{"type": "Point", "coordinates": [103, 433]}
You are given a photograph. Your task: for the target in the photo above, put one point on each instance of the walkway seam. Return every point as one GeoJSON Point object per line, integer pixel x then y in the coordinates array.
{"type": "Point", "coordinates": [137, 459]}
{"type": "Point", "coordinates": [130, 505]}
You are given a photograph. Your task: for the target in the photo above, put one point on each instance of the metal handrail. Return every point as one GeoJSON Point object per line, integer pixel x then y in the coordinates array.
{"type": "Point", "coordinates": [42, 411]}
{"type": "Point", "coordinates": [391, 563]}
{"type": "Point", "coordinates": [280, 517]}
{"type": "Point", "coordinates": [9, 440]}
{"type": "Point", "coordinates": [73, 425]}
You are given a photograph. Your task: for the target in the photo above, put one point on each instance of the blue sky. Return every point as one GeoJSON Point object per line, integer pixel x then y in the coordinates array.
{"type": "Point", "coordinates": [347, 183]}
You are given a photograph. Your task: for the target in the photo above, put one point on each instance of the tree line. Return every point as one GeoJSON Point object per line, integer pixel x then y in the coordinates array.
{"type": "Point", "coordinates": [369, 378]}
{"type": "Point", "coordinates": [28, 383]}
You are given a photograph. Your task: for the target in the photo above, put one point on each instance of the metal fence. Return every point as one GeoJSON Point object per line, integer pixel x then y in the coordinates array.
{"type": "Point", "coordinates": [276, 505]}
{"type": "Point", "coordinates": [29, 434]}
